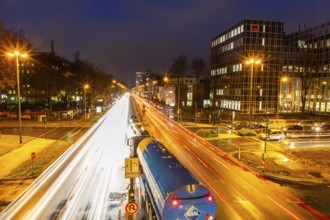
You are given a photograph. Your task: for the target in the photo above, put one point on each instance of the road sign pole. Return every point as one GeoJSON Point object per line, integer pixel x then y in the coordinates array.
{"type": "Point", "coordinates": [263, 163]}
{"type": "Point", "coordinates": [239, 149]}
{"type": "Point", "coordinates": [265, 147]}
{"type": "Point", "coordinates": [32, 168]}
{"type": "Point", "coordinates": [33, 155]}
{"type": "Point", "coordinates": [239, 152]}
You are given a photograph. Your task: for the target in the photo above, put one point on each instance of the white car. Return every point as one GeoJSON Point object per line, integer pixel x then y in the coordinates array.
{"type": "Point", "coordinates": [273, 134]}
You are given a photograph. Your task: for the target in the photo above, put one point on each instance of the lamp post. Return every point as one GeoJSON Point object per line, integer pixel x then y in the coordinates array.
{"type": "Point", "coordinates": [17, 54]}
{"type": "Point", "coordinates": [86, 86]}
{"type": "Point", "coordinates": [324, 93]}
{"type": "Point", "coordinates": [179, 99]}
{"type": "Point", "coordinates": [285, 93]}
{"type": "Point", "coordinates": [154, 83]}
{"type": "Point", "coordinates": [164, 94]}
{"type": "Point", "coordinates": [251, 62]}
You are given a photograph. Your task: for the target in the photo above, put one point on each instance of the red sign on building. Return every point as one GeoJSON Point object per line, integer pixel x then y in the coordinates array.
{"type": "Point", "coordinates": [254, 28]}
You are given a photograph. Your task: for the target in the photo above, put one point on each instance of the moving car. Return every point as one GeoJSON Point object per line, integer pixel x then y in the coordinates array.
{"type": "Point", "coordinates": [273, 134]}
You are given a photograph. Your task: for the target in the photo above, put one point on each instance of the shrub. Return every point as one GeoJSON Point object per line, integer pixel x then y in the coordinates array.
{"type": "Point", "coordinates": [247, 132]}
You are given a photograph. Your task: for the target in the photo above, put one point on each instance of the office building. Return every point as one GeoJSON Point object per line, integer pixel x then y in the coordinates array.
{"type": "Point", "coordinates": [256, 67]}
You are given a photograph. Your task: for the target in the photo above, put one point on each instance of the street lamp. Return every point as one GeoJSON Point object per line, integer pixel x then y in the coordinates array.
{"type": "Point", "coordinates": [164, 95]}
{"type": "Point", "coordinates": [17, 54]}
{"type": "Point", "coordinates": [86, 86]}
{"type": "Point", "coordinates": [251, 62]}
{"type": "Point", "coordinates": [154, 83]}
{"type": "Point", "coordinates": [166, 79]}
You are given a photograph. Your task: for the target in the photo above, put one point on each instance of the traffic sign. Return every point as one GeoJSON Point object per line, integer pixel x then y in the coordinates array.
{"type": "Point", "coordinates": [132, 167]}
{"type": "Point", "coordinates": [131, 208]}
{"type": "Point", "coordinates": [33, 155]}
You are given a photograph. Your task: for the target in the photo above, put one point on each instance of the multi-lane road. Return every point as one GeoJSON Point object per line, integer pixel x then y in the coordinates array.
{"type": "Point", "coordinates": [240, 193]}
{"type": "Point", "coordinates": [80, 183]}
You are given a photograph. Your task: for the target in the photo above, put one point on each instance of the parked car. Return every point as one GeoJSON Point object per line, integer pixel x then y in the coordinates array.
{"type": "Point", "coordinates": [256, 125]}
{"type": "Point", "coordinates": [293, 129]}
{"type": "Point", "coordinates": [275, 123]}
{"type": "Point", "coordinates": [273, 134]}
{"type": "Point", "coordinates": [237, 125]}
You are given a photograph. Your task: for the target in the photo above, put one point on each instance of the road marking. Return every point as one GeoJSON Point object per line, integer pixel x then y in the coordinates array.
{"type": "Point", "coordinates": [283, 207]}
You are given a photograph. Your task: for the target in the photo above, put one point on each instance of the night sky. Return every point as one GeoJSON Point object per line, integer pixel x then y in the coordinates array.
{"type": "Point", "coordinates": [126, 36]}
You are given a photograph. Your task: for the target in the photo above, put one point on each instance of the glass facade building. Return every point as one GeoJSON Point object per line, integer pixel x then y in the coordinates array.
{"type": "Point", "coordinates": [291, 73]}
{"type": "Point", "coordinates": [307, 66]}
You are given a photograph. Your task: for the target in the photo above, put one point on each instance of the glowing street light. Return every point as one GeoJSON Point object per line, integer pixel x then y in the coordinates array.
{"type": "Point", "coordinates": [251, 62]}
{"type": "Point", "coordinates": [18, 54]}
{"type": "Point", "coordinates": [166, 79]}
{"type": "Point", "coordinates": [86, 86]}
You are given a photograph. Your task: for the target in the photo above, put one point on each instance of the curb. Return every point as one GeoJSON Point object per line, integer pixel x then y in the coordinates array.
{"type": "Point", "coordinates": [296, 180]}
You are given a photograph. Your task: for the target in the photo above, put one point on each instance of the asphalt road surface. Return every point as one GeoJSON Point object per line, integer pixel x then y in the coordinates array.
{"type": "Point", "coordinates": [240, 193]}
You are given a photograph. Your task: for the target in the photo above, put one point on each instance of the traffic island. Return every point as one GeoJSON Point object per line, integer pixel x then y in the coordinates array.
{"type": "Point", "coordinates": [279, 166]}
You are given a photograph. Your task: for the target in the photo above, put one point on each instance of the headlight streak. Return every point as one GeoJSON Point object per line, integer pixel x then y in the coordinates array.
{"type": "Point", "coordinates": [282, 207]}
{"type": "Point", "coordinates": [175, 138]}
{"type": "Point", "coordinates": [199, 170]}
{"type": "Point", "coordinates": [34, 200]}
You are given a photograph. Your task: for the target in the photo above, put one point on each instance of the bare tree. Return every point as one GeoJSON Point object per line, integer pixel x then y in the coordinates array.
{"type": "Point", "coordinates": [198, 66]}
{"type": "Point", "coordinates": [10, 40]}
{"type": "Point", "coordinates": [308, 72]}
{"type": "Point", "coordinates": [179, 68]}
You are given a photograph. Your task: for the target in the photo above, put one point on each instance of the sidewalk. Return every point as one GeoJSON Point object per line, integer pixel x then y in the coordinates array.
{"type": "Point", "coordinates": [16, 172]}
{"type": "Point", "coordinates": [32, 123]}
{"type": "Point", "coordinates": [12, 153]}
{"type": "Point", "coordinates": [12, 159]}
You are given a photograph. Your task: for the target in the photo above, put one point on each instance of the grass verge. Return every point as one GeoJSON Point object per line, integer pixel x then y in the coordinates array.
{"type": "Point", "coordinates": [12, 185]}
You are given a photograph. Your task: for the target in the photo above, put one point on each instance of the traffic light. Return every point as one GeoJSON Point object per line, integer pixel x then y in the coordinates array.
{"type": "Point", "coordinates": [131, 195]}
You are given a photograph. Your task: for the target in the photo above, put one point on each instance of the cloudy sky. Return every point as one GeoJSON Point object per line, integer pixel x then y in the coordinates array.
{"type": "Point", "coordinates": [126, 36]}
